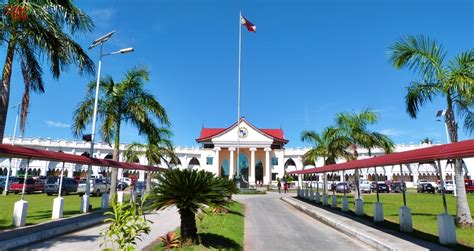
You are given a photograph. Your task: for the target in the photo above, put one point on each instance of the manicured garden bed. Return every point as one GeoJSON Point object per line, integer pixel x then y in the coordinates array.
{"type": "Point", "coordinates": [218, 231]}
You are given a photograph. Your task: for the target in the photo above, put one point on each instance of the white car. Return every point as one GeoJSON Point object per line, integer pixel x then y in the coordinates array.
{"type": "Point", "coordinates": [127, 180]}
{"type": "Point", "coordinates": [364, 186]}
{"type": "Point", "coordinates": [448, 186]}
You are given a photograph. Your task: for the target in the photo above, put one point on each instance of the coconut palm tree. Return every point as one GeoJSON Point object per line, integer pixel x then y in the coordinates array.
{"type": "Point", "coordinates": [157, 149]}
{"type": "Point", "coordinates": [452, 80]}
{"type": "Point", "coordinates": [45, 34]}
{"type": "Point", "coordinates": [353, 126]}
{"type": "Point", "coordinates": [328, 145]}
{"type": "Point", "coordinates": [126, 101]}
{"type": "Point", "coordinates": [189, 191]}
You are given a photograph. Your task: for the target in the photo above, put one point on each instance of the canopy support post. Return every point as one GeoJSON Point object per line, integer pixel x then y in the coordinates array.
{"type": "Point", "coordinates": [446, 227]}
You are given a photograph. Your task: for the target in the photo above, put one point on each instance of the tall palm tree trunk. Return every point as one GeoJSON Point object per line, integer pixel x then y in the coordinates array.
{"type": "Point", "coordinates": [357, 193]}
{"type": "Point", "coordinates": [5, 92]}
{"type": "Point", "coordinates": [463, 213]}
{"type": "Point", "coordinates": [115, 156]}
{"type": "Point", "coordinates": [148, 181]}
{"type": "Point", "coordinates": [188, 225]}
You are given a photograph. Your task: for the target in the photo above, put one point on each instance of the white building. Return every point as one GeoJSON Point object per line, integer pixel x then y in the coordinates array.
{"type": "Point", "coordinates": [261, 149]}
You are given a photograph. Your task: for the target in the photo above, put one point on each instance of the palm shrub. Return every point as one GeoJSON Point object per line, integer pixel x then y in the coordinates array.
{"type": "Point", "coordinates": [190, 191]}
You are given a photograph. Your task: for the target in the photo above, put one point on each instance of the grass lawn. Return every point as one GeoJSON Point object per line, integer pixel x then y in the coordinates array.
{"type": "Point", "coordinates": [424, 209]}
{"type": "Point", "coordinates": [40, 207]}
{"type": "Point", "coordinates": [219, 232]}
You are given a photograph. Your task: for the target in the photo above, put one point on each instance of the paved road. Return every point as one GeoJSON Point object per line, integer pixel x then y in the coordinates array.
{"type": "Point", "coordinates": [271, 224]}
{"type": "Point", "coordinates": [90, 239]}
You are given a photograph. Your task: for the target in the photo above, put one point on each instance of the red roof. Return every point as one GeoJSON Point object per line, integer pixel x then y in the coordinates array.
{"type": "Point", "coordinates": [10, 151]}
{"type": "Point", "coordinates": [463, 149]}
{"type": "Point", "coordinates": [208, 133]}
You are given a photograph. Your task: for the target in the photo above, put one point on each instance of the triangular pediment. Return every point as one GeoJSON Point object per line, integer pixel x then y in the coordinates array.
{"type": "Point", "coordinates": [249, 136]}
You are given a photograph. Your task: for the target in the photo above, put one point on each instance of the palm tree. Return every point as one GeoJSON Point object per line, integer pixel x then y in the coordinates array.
{"type": "Point", "coordinates": [126, 101]}
{"type": "Point", "coordinates": [43, 35]}
{"type": "Point", "coordinates": [157, 148]}
{"type": "Point", "coordinates": [330, 145]}
{"type": "Point", "coordinates": [453, 81]}
{"type": "Point", "coordinates": [189, 191]}
{"type": "Point", "coordinates": [353, 126]}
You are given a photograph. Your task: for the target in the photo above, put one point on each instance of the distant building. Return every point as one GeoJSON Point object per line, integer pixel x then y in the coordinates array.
{"type": "Point", "coordinates": [261, 153]}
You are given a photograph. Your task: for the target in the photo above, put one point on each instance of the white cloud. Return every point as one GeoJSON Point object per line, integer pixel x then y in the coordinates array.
{"type": "Point", "coordinates": [393, 132]}
{"type": "Point", "coordinates": [56, 124]}
{"type": "Point", "coordinates": [102, 14]}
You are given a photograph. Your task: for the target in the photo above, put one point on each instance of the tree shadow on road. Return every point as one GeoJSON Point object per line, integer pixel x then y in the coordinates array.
{"type": "Point", "coordinates": [218, 242]}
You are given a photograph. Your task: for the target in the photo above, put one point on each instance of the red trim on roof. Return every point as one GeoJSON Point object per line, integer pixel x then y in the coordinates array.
{"type": "Point", "coordinates": [209, 133]}
{"type": "Point", "coordinates": [10, 151]}
{"type": "Point", "coordinates": [463, 149]}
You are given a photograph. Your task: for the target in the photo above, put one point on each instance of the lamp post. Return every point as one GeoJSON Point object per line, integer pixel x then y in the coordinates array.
{"type": "Point", "coordinates": [439, 114]}
{"type": "Point", "coordinates": [100, 41]}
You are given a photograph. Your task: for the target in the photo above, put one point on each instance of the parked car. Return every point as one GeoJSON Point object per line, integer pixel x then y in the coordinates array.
{"type": "Point", "coordinates": [11, 180]}
{"type": "Point", "coordinates": [382, 187]}
{"type": "Point", "coordinates": [343, 187]}
{"type": "Point", "coordinates": [425, 187]}
{"type": "Point", "coordinates": [448, 186]}
{"type": "Point", "coordinates": [97, 188]}
{"type": "Point", "coordinates": [469, 184]}
{"type": "Point", "coordinates": [52, 186]}
{"type": "Point", "coordinates": [127, 180]}
{"type": "Point", "coordinates": [398, 187]}
{"type": "Point", "coordinates": [122, 185]}
{"type": "Point", "coordinates": [364, 186]}
{"type": "Point", "coordinates": [32, 185]}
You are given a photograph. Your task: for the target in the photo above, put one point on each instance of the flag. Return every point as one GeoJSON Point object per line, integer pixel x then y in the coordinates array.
{"type": "Point", "coordinates": [250, 26]}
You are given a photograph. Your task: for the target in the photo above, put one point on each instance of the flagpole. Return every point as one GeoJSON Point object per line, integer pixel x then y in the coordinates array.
{"type": "Point", "coordinates": [238, 95]}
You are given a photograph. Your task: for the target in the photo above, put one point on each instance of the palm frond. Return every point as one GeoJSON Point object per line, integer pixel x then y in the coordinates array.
{"type": "Point", "coordinates": [419, 54]}
{"type": "Point", "coordinates": [419, 94]}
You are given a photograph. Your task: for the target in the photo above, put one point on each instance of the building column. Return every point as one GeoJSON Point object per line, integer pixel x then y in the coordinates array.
{"type": "Point", "coordinates": [216, 161]}
{"type": "Point", "coordinates": [231, 162]}
{"type": "Point", "coordinates": [184, 164]}
{"type": "Point", "coordinates": [252, 166]}
{"type": "Point", "coordinates": [267, 176]}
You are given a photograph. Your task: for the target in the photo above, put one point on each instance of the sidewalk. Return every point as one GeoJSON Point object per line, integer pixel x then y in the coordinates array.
{"type": "Point", "coordinates": [386, 239]}
{"type": "Point", "coordinates": [90, 238]}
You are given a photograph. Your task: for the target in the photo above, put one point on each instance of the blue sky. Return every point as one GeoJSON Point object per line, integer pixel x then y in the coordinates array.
{"type": "Point", "coordinates": [307, 61]}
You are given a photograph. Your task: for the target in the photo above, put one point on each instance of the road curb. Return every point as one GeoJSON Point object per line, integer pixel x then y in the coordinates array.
{"type": "Point", "coordinates": [369, 240]}
{"type": "Point", "coordinates": [18, 237]}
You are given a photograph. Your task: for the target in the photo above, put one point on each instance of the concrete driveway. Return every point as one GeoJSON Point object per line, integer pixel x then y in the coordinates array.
{"type": "Point", "coordinates": [271, 224]}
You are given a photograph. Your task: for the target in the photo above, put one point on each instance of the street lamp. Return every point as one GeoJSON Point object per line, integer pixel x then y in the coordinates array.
{"type": "Point", "coordinates": [100, 41]}
{"type": "Point", "coordinates": [439, 114]}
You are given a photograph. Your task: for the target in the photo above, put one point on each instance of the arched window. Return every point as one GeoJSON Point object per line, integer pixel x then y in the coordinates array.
{"type": "Point", "coordinates": [194, 162]}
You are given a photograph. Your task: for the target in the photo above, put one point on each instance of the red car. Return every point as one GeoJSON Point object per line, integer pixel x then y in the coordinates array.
{"type": "Point", "coordinates": [32, 185]}
{"type": "Point", "coordinates": [469, 186]}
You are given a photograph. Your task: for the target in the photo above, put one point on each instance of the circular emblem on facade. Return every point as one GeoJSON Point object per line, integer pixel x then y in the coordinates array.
{"type": "Point", "coordinates": [243, 132]}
